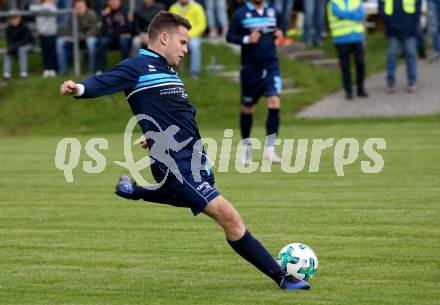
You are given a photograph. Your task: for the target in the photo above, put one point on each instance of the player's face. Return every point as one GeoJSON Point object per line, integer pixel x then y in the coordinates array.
{"type": "Point", "coordinates": [177, 46]}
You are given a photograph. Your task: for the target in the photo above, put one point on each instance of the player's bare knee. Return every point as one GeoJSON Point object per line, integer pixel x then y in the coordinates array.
{"type": "Point", "coordinates": [273, 102]}
{"type": "Point", "coordinates": [248, 109]}
{"type": "Point", "coordinates": [226, 216]}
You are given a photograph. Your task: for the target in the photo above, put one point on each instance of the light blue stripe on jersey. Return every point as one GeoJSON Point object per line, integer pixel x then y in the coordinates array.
{"type": "Point", "coordinates": [148, 77]}
{"type": "Point", "coordinates": [259, 21]}
{"type": "Point", "coordinates": [159, 81]}
{"type": "Point", "coordinates": [148, 53]}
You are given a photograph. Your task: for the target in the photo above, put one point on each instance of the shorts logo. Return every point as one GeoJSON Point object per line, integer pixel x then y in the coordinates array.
{"type": "Point", "coordinates": [151, 68]}
{"type": "Point", "coordinates": [248, 99]}
{"type": "Point", "coordinates": [204, 188]}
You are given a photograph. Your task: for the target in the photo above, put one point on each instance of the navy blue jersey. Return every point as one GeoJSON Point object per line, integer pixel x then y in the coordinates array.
{"type": "Point", "coordinates": [246, 20]}
{"type": "Point", "coordinates": [153, 88]}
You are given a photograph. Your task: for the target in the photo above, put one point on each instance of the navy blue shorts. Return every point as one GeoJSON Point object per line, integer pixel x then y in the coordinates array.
{"type": "Point", "coordinates": [256, 83]}
{"type": "Point", "coordinates": [188, 193]}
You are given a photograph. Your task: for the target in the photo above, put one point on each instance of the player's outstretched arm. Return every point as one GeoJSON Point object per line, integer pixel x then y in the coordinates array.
{"type": "Point", "coordinates": [123, 76]}
{"type": "Point", "coordinates": [69, 88]}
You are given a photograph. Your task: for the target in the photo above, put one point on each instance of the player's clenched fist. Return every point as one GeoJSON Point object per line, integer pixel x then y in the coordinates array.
{"type": "Point", "coordinates": [254, 37]}
{"type": "Point", "coordinates": [69, 88]}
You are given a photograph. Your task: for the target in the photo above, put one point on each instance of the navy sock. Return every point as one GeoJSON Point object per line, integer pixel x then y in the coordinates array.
{"type": "Point", "coordinates": [253, 251]}
{"type": "Point", "coordinates": [246, 125]}
{"type": "Point", "coordinates": [272, 125]}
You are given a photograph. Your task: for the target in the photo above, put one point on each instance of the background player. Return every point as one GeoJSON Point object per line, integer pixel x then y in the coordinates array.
{"type": "Point", "coordinates": [143, 78]}
{"type": "Point", "coordinates": [255, 26]}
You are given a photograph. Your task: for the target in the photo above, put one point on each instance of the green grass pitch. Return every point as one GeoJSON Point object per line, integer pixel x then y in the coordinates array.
{"type": "Point", "coordinates": [377, 236]}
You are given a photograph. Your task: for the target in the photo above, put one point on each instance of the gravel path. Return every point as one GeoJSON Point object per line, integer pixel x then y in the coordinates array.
{"type": "Point", "coordinates": [380, 104]}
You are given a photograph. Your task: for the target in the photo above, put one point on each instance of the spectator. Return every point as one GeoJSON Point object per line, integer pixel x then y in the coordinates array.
{"type": "Point", "coordinates": [87, 35]}
{"type": "Point", "coordinates": [216, 11]}
{"type": "Point", "coordinates": [314, 21]}
{"type": "Point", "coordinates": [420, 39]}
{"type": "Point", "coordinates": [166, 3]}
{"type": "Point", "coordinates": [115, 32]}
{"type": "Point", "coordinates": [401, 18]}
{"type": "Point", "coordinates": [142, 19]}
{"type": "Point", "coordinates": [19, 42]}
{"type": "Point", "coordinates": [284, 8]}
{"type": "Point", "coordinates": [195, 14]}
{"type": "Point", "coordinates": [97, 6]}
{"type": "Point", "coordinates": [47, 29]}
{"type": "Point", "coordinates": [346, 19]}
{"type": "Point", "coordinates": [434, 25]}
{"type": "Point", "coordinates": [63, 19]}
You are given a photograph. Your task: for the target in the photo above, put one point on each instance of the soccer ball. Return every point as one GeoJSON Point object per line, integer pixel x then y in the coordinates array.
{"type": "Point", "coordinates": [298, 260]}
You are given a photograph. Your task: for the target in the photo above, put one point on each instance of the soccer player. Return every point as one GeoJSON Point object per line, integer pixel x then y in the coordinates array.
{"type": "Point", "coordinates": [153, 88]}
{"type": "Point", "coordinates": [255, 27]}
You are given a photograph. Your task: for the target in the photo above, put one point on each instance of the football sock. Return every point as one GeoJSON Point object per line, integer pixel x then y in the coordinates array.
{"type": "Point", "coordinates": [272, 125]}
{"type": "Point", "coordinates": [246, 125]}
{"type": "Point", "coordinates": [253, 251]}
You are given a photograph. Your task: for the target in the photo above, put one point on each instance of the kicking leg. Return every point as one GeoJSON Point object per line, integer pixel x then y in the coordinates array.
{"type": "Point", "coordinates": [248, 246]}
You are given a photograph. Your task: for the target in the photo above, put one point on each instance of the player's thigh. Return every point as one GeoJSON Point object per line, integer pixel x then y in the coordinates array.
{"type": "Point", "coordinates": [223, 212]}
{"type": "Point", "coordinates": [194, 193]}
{"type": "Point", "coordinates": [272, 83]}
{"type": "Point", "coordinates": [252, 85]}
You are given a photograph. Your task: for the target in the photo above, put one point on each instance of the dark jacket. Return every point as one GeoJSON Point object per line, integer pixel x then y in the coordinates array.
{"type": "Point", "coordinates": [17, 36]}
{"type": "Point", "coordinates": [115, 23]}
{"type": "Point", "coordinates": [87, 26]}
{"type": "Point", "coordinates": [400, 24]}
{"type": "Point", "coordinates": [144, 15]}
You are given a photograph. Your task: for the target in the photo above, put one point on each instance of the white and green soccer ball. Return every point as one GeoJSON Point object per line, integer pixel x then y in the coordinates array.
{"type": "Point", "coordinates": [298, 260]}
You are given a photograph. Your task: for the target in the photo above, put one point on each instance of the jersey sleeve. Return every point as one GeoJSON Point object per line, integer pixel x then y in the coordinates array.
{"type": "Point", "coordinates": [122, 77]}
{"type": "Point", "coordinates": [236, 32]}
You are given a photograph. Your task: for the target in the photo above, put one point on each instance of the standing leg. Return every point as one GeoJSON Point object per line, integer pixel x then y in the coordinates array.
{"type": "Point", "coordinates": [45, 54]}
{"type": "Point", "coordinates": [103, 43]}
{"type": "Point", "coordinates": [344, 63]}
{"type": "Point", "coordinates": [91, 54]}
{"type": "Point", "coordinates": [61, 55]}
{"type": "Point", "coordinates": [222, 15]}
{"type": "Point", "coordinates": [273, 118]}
{"type": "Point", "coordinates": [434, 23]}
{"type": "Point", "coordinates": [358, 50]}
{"type": "Point", "coordinates": [7, 65]}
{"type": "Point", "coordinates": [319, 21]}
{"type": "Point", "coordinates": [246, 245]}
{"type": "Point", "coordinates": [309, 9]}
{"type": "Point", "coordinates": [393, 53]}
{"type": "Point", "coordinates": [272, 128]}
{"type": "Point", "coordinates": [195, 56]}
{"type": "Point", "coordinates": [124, 46]}
{"type": "Point", "coordinates": [210, 15]}
{"type": "Point", "coordinates": [410, 49]}
{"type": "Point", "coordinates": [23, 59]}
{"type": "Point", "coordinates": [52, 54]}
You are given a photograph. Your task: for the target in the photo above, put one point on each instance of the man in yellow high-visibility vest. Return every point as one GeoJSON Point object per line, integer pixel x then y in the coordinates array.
{"type": "Point", "coordinates": [401, 18]}
{"type": "Point", "coordinates": [346, 19]}
{"type": "Point", "coordinates": [195, 14]}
